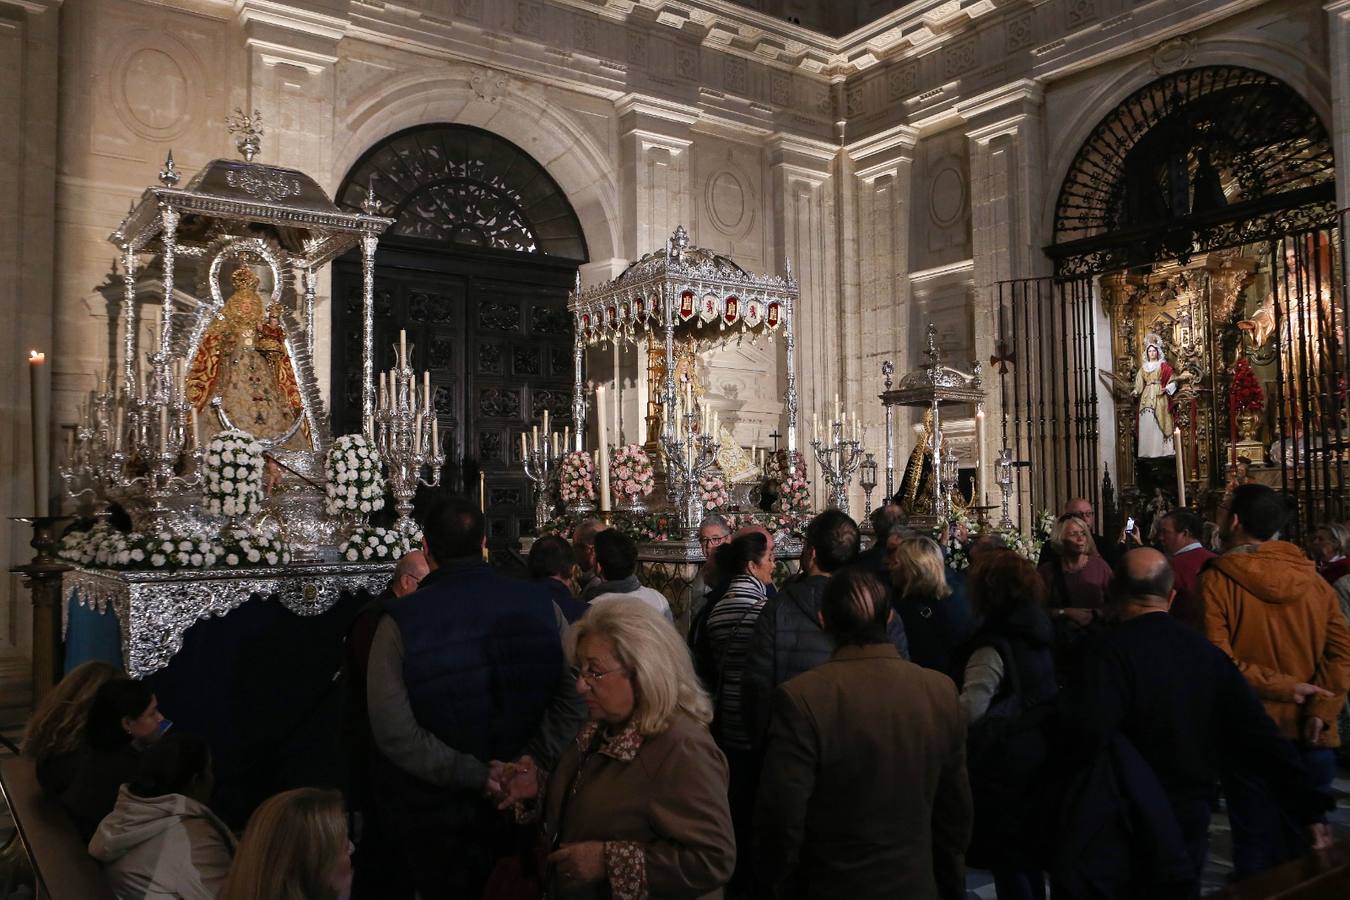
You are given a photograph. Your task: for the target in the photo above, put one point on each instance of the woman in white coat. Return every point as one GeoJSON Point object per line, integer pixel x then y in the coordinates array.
{"type": "Point", "coordinates": [161, 841]}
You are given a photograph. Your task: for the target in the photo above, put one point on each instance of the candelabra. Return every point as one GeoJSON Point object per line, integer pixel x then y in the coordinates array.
{"type": "Point", "coordinates": [405, 430]}
{"type": "Point", "coordinates": [949, 472]}
{"type": "Point", "coordinates": [867, 479]}
{"type": "Point", "coordinates": [689, 456]}
{"type": "Point", "coordinates": [1004, 477]}
{"type": "Point", "coordinates": [838, 460]}
{"type": "Point", "coordinates": [133, 441]}
{"type": "Point", "coordinates": [540, 462]}
{"type": "Point", "coordinates": [95, 462]}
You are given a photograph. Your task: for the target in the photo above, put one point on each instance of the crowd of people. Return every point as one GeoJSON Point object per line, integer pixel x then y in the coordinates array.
{"type": "Point", "coordinates": [868, 727]}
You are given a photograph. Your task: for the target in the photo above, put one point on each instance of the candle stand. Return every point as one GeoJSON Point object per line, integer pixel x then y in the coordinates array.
{"type": "Point", "coordinates": [408, 438]}
{"type": "Point", "coordinates": [1004, 476]}
{"type": "Point", "coordinates": [838, 460]}
{"type": "Point", "coordinates": [540, 462]}
{"type": "Point", "coordinates": [689, 456]}
{"type": "Point", "coordinates": [867, 479]}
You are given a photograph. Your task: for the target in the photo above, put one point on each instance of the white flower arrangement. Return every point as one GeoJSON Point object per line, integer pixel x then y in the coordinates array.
{"type": "Point", "coordinates": [369, 542]}
{"type": "Point", "coordinates": [114, 549]}
{"type": "Point", "coordinates": [576, 477]}
{"type": "Point", "coordinates": [958, 540]}
{"type": "Point", "coordinates": [355, 482]}
{"type": "Point", "coordinates": [713, 488]}
{"type": "Point", "coordinates": [81, 548]}
{"type": "Point", "coordinates": [232, 474]}
{"type": "Point", "coordinates": [1044, 524]}
{"type": "Point", "coordinates": [253, 547]}
{"type": "Point", "coordinates": [167, 550]}
{"type": "Point", "coordinates": [1027, 547]}
{"type": "Point", "coordinates": [631, 474]}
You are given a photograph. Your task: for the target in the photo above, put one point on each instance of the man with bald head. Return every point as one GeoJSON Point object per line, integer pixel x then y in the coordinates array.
{"type": "Point", "coordinates": [1182, 704]}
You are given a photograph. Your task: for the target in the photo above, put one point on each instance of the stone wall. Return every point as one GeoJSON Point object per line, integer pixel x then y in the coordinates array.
{"type": "Point", "coordinates": [903, 170]}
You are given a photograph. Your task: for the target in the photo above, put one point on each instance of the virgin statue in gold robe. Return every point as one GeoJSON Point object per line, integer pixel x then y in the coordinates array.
{"type": "Point", "coordinates": [243, 361]}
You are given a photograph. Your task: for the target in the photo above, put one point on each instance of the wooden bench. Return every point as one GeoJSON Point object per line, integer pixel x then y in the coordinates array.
{"type": "Point", "coordinates": [64, 868]}
{"type": "Point", "coordinates": [1314, 876]}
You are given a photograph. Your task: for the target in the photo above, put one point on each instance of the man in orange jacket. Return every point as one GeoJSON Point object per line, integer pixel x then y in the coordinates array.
{"type": "Point", "coordinates": [1267, 608]}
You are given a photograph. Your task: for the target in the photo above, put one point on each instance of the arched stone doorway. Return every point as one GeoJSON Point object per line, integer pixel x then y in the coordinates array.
{"type": "Point", "coordinates": [1199, 216]}
{"type": "Point", "coordinates": [476, 267]}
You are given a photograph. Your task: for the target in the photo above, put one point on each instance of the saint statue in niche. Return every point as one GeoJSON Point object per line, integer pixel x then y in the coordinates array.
{"type": "Point", "coordinates": [1154, 386]}
{"type": "Point", "coordinates": [243, 361]}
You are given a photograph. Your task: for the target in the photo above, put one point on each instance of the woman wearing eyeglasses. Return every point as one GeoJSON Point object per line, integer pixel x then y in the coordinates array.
{"type": "Point", "coordinates": [637, 806]}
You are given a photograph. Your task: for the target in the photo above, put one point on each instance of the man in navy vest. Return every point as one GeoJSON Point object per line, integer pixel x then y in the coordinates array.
{"type": "Point", "coordinates": [468, 669]}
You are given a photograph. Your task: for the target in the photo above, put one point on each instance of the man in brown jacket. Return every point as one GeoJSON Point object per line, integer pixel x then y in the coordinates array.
{"type": "Point", "coordinates": [863, 792]}
{"type": "Point", "coordinates": [1267, 608]}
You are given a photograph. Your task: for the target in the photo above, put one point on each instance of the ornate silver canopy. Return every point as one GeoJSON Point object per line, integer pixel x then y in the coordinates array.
{"type": "Point", "coordinates": [931, 386]}
{"type": "Point", "coordinates": [691, 290]}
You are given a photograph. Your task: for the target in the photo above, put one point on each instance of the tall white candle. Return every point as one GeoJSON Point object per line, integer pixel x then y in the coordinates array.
{"type": "Point", "coordinates": [836, 408]}
{"type": "Point", "coordinates": [1181, 466]}
{"type": "Point", "coordinates": [524, 448]}
{"type": "Point", "coordinates": [980, 467]}
{"type": "Point", "coordinates": [604, 448]}
{"type": "Point", "coordinates": [402, 349]}
{"type": "Point", "coordinates": [534, 437]}
{"type": "Point", "coordinates": [545, 428]}
{"type": "Point", "coordinates": [567, 438]}
{"type": "Point", "coordinates": [41, 411]}
{"type": "Point", "coordinates": [370, 427]}
{"type": "Point", "coordinates": [618, 398]}
{"type": "Point", "coordinates": [426, 391]}
{"type": "Point", "coordinates": [417, 433]}
{"type": "Point", "coordinates": [435, 436]}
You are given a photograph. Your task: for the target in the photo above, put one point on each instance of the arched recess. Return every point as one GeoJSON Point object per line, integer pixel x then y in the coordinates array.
{"type": "Point", "coordinates": [526, 114]}
{"type": "Point", "coordinates": [476, 268]}
{"type": "Point", "coordinates": [1201, 159]}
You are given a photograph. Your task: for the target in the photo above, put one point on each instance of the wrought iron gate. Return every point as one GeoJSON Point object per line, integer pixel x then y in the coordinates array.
{"type": "Point", "coordinates": [1046, 362]}
{"type": "Point", "coordinates": [1306, 315]}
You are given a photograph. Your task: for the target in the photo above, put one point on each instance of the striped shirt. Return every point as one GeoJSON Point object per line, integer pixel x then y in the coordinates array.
{"type": "Point", "coordinates": [730, 626]}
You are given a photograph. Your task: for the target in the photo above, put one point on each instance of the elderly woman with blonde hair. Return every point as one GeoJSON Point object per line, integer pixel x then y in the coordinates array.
{"type": "Point", "coordinates": [637, 805]}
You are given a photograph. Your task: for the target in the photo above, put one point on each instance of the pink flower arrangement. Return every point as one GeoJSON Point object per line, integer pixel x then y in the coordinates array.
{"type": "Point", "coordinates": [794, 495]}
{"type": "Point", "coordinates": [630, 472]}
{"type": "Point", "coordinates": [713, 487]}
{"type": "Point", "coordinates": [576, 477]}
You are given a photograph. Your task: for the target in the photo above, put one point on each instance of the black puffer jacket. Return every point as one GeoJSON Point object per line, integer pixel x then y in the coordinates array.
{"type": "Point", "coordinates": [787, 641]}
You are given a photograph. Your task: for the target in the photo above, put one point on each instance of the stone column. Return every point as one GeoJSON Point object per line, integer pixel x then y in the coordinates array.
{"type": "Point", "coordinates": [1008, 195]}
{"type": "Point", "coordinates": [804, 232]}
{"type": "Point", "coordinates": [655, 140]}
{"type": "Point", "coordinates": [291, 58]}
{"type": "Point", "coordinates": [655, 143]}
{"type": "Point", "coordinates": [28, 153]}
{"type": "Point", "coordinates": [1338, 49]}
{"type": "Point", "coordinates": [882, 172]}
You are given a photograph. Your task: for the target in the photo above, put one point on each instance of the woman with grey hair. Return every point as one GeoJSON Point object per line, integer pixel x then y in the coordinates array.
{"type": "Point", "coordinates": [637, 805]}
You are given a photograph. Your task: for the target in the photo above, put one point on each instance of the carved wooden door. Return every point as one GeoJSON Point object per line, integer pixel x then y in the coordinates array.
{"type": "Point", "coordinates": [496, 337]}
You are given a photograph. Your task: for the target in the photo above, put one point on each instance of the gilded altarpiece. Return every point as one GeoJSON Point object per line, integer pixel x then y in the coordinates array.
{"type": "Point", "coordinates": [1179, 323]}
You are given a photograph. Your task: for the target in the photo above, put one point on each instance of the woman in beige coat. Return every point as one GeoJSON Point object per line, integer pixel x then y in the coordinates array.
{"type": "Point", "coordinates": [637, 806]}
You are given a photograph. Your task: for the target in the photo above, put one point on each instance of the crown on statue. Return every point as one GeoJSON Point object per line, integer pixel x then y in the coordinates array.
{"type": "Point", "coordinates": [244, 278]}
